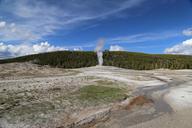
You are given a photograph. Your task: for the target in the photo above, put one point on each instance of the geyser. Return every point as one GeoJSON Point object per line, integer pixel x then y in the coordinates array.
{"type": "Point", "coordinates": [99, 51]}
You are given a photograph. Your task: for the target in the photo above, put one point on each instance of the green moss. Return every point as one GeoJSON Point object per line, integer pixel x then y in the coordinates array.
{"type": "Point", "coordinates": [93, 93]}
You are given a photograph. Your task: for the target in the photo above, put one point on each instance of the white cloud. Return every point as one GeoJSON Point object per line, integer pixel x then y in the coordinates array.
{"type": "Point", "coordinates": [78, 49]}
{"type": "Point", "coordinates": [184, 48]}
{"type": "Point", "coordinates": [116, 48]}
{"type": "Point", "coordinates": [26, 49]}
{"type": "Point", "coordinates": [46, 47]}
{"type": "Point", "coordinates": [35, 19]}
{"type": "Point", "coordinates": [187, 32]}
{"type": "Point", "coordinates": [2, 24]}
{"type": "Point", "coordinates": [10, 31]}
{"type": "Point", "coordinates": [143, 37]}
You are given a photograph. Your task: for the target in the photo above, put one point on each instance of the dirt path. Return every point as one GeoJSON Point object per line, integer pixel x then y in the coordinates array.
{"type": "Point", "coordinates": [169, 94]}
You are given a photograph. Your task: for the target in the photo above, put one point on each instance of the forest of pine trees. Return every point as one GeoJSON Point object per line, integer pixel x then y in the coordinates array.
{"type": "Point", "coordinates": [61, 59]}
{"type": "Point", "coordinates": [141, 61]}
{"type": "Point", "coordinates": [129, 60]}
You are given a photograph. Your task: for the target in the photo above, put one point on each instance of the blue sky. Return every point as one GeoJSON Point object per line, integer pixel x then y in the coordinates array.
{"type": "Point", "coordinates": [151, 26]}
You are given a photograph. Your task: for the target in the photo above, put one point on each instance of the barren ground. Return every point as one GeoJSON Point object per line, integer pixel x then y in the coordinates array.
{"type": "Point", "coordinates": [33, 96]}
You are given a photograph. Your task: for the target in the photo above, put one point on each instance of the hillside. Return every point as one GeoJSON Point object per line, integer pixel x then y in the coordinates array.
{"type": "Point", "coordinates": [141, 61]}
{"type": "Point", "coordinates": [62, 59]}
{"type": "Point", "coordinates": [129, 60]}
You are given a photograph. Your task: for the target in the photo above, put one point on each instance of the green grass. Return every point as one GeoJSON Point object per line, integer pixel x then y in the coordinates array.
{"type": "Point", "coordinates": [94, 93]}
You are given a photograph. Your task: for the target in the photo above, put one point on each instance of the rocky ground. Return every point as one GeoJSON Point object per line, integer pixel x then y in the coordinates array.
{"type": "Point", "coordinates": [33, 96]}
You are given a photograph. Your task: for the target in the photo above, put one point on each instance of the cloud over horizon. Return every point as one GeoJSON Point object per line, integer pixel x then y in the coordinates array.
{"type": "Point", "coordinates": [11, 50]}
{"type": "Point", "coordinates": [184, 48]}
{"type": "Point", "coordinates": [116, 48]}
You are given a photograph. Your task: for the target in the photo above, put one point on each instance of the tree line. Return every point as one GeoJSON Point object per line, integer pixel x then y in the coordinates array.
{"type": "Point", "coordinates": [60, 59]}
{"type": "Point", "coordinates": [141, 61]}
{"type": "Point", "coordinates": [128, 60]}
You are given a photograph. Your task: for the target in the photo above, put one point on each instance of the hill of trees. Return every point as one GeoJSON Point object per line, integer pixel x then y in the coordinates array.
{"type": "Point", "coordinates": [129, 60]}
{"type": "Point", "coordinates": [141, 61]}
{"type": "Point", "coordinates": [61, 59]}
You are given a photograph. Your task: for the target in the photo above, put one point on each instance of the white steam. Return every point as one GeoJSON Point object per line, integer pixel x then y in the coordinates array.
{"type": "Point", "coordinates": [99, 51]}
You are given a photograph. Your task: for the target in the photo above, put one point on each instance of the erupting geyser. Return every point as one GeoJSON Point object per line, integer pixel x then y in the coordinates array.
{"type": "Point", "coordinates": [99, 51]}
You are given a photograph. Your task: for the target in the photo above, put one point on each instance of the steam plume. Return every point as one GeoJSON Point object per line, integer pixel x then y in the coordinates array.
{"type": "Point", "coordinates": [99, 51]}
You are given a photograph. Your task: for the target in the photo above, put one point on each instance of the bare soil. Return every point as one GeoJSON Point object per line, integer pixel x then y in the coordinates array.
{"type": "Point", "coordinates": [139, 101]}
{"type": "Point", "coordinates": [33, 96]}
